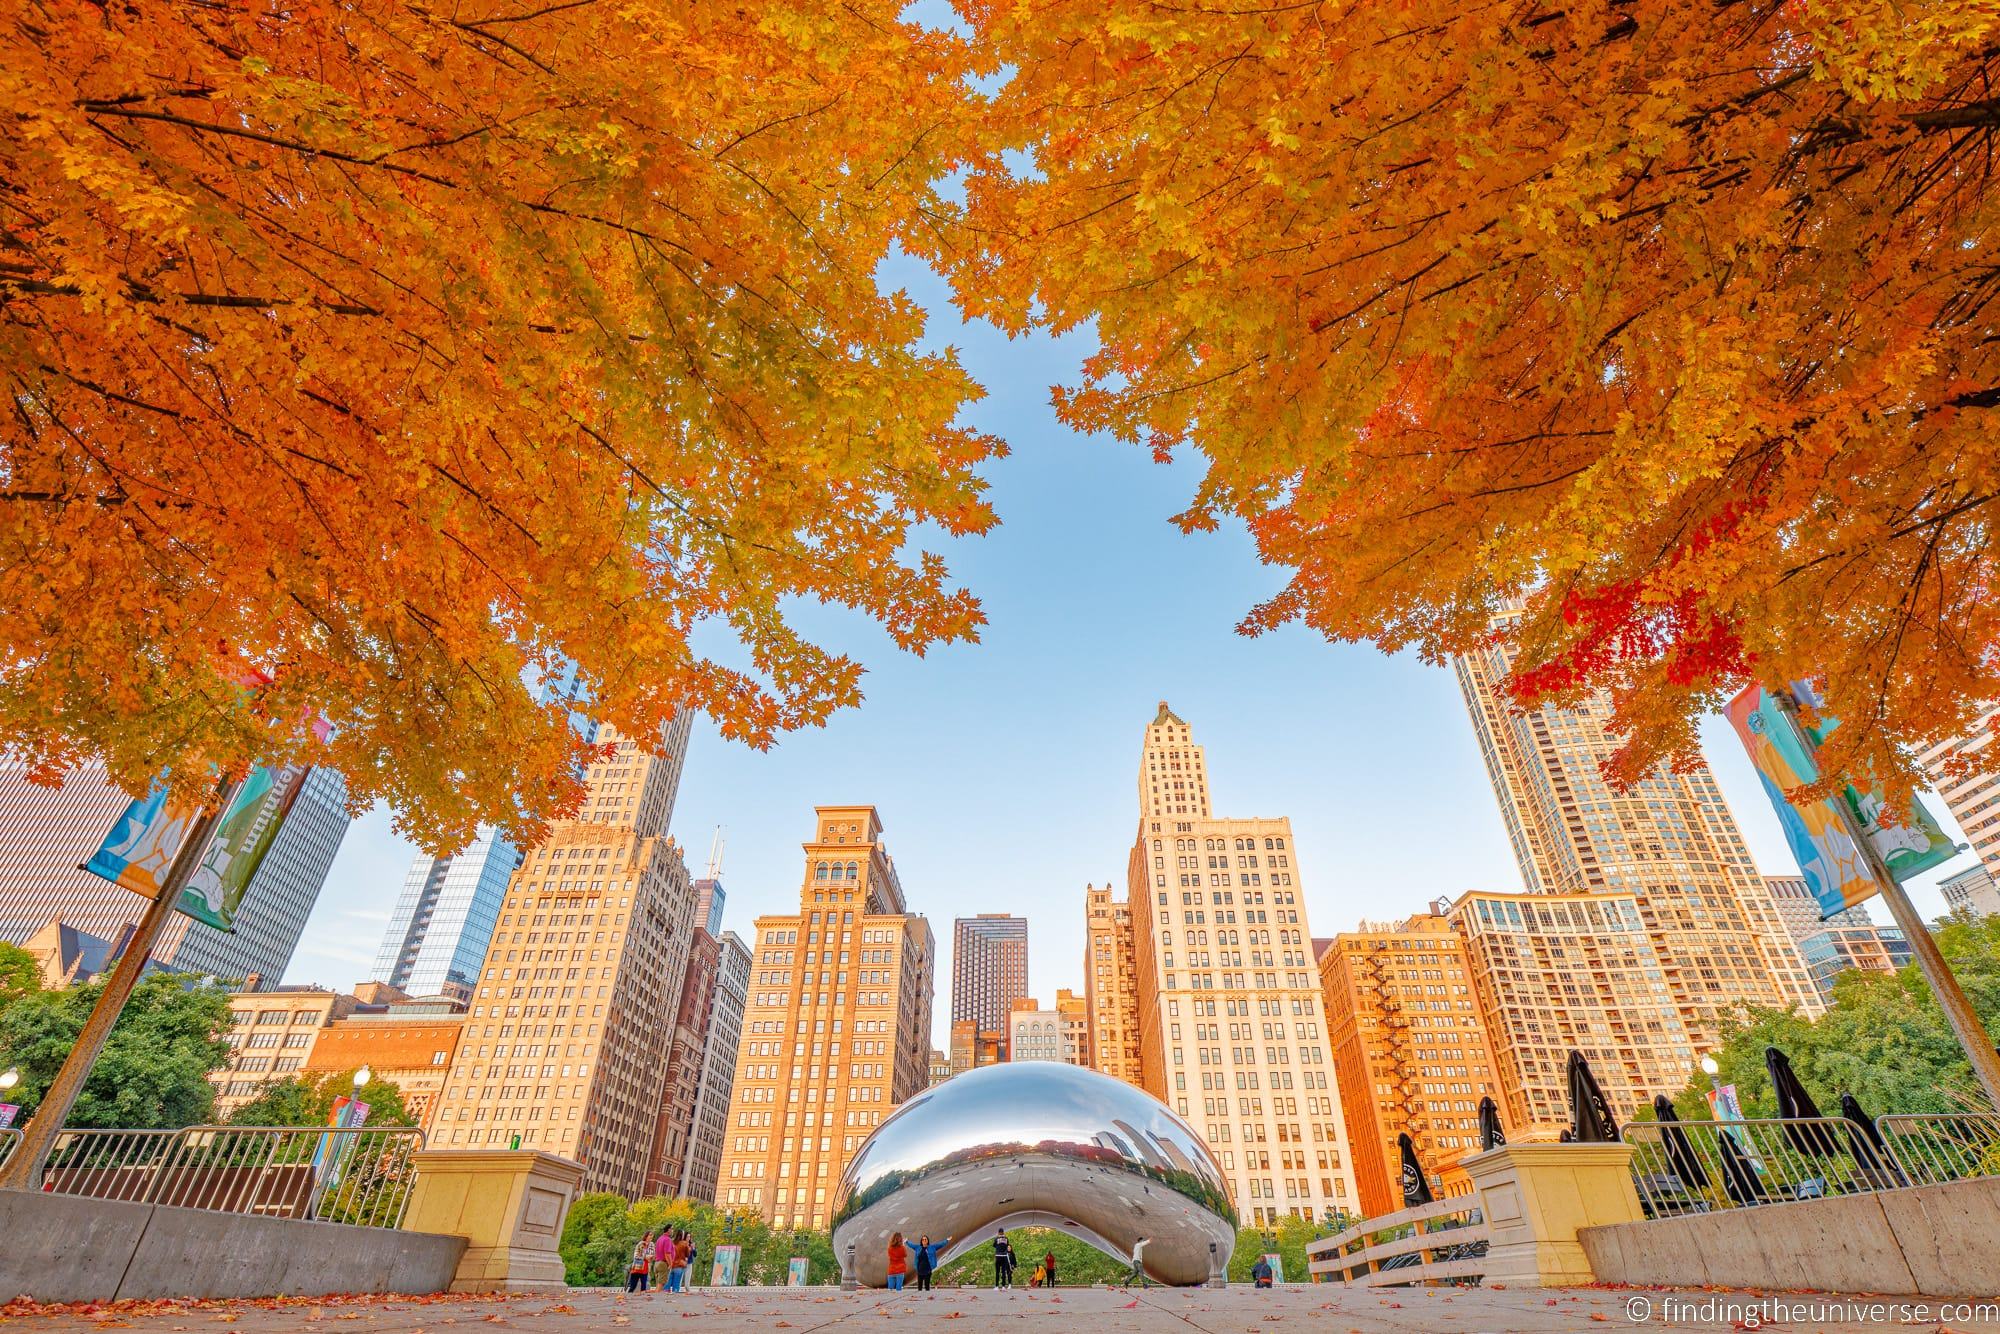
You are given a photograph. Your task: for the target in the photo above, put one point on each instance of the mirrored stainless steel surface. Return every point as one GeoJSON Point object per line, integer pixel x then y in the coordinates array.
{"type": "Point", "coordinates": [1039, 1144]}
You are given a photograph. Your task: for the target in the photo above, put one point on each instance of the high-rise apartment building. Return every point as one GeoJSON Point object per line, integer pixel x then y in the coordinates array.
{"type": "Point", "coordinates": [1669, 842]}
{"type": "Point", "coordinates": [1848, 940]}
{"type": "Point", "coordinates": [1111, 985]}
{"type": "Point", "coordinates": [989, 971]}
{"type": "Point", "coordinates": [837, 1028]}
{"type": "Point", "coordinates": [703, 1162]}
{"type": "Point", "coordinates": [567, 1041]}
{"type": "Point", "coordinates": [437, 936]}
{"type": "Point", "coordinates": [1409, 1052]}
{"type": "Point", "coordinates": [1075, 1015]}
{"type": "Point", "coordinates": [1971, 893]}
{"type": "Point", "coordinates": [1969, 781]}
{"type": "Point", "coordinates": [46, 834]}
{"type": "Point", "coordinates": [1034, 1034]}
{"type": "Point", "coordinates": [673, 1130]}
{"type": "Point", "coordinates": [1559, 972]}
{"type": "Point", "coordinates": [1232, 1023]}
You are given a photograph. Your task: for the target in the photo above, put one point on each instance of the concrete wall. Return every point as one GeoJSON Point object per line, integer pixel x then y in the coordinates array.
{"type": "Point", "coordinates": [1933, 1241]}
{"type": "Point", "coordinates": [63, 1248]}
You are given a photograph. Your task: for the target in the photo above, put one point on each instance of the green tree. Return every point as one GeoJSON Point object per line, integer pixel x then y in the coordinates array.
{"type": "Point", "coordinates": [307, 1100]}
{"type": "Point", "coordinates": [1288, 1237]}
{"type": "Point", "coordinates": [153, 1073]}
{"type": "Point", "coordinates": [597, 1237]}
{"type": "Point", "coordinates": [1883, 1038]}
{"type": "Point", "coordinates": [19, 973]}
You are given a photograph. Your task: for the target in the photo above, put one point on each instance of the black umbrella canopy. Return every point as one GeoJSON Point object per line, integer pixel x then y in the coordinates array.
{"type": "Point", "coordinates": [1681, 1156]}
{"type": "Point", "coordinates": [1416, 1189]}
{"type": "Point", "coordinates": [1588, 1108]}
{"type": "Point", "coordinates": [1491, 1136]}
{"type": "Point", "coordinates": [1739, 1178]}
{"type": "Point", "coordinates": [1795, 1102]}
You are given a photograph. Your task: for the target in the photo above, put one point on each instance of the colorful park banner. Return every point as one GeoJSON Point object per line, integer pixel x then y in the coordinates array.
{"type": "Point", "coordinates": [1726, 1111]}
{"type": "Point", "coordinates": [797, 1271]}
{"type": "Point", "coordinates": [728, 1260]}
{"type": "Point", "coordinates": [1837, 872]}
{"type": "Point", "coordinates": [141, 845]}
{"type": "Point", "coordinates": [8, 1111]}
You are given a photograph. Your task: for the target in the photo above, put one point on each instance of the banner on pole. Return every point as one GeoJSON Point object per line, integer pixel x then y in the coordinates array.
{"type": "Point", "coordinates": [141, 845]}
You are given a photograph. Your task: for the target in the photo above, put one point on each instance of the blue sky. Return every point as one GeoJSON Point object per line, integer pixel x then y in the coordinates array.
{"type": "Point", "coordinates": [1006, 772]}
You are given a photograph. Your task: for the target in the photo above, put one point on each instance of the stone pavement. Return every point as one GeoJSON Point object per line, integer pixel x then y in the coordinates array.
{"type": "Point", "coordinates": [1237, 1310]}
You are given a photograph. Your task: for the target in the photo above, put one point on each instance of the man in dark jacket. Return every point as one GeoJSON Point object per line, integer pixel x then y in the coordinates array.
{"type": "Point", "coordinates": [1003, 1260]}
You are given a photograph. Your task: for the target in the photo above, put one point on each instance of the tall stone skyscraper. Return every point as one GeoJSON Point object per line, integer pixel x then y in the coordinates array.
{"type": "Point", "coordinates": [46, 834]}
{"type": "Point", "coordinates": [1670, 843]}
{"type": "Point", "coordinates": [1232, 1022]}
{"type": "Point", "coordinates": [837, 1028]}
{"type": "Point", "coordinates": [989, 972]}
{"type": "Point", "coordinates": [567, 1041]}
{"type": "Point", "coordinates": [1111, 985]}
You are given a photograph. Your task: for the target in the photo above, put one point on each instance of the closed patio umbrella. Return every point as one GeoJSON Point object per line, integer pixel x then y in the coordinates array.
{"type": "Point", "coordinates": [1681, 1156]}
{"type": "Point", "coordinates": [1490, 1134]}
{"type": "Point", "coordinates": [1739, 1178]}
{"type": "Point", "coordinates": [1864, 1140]}
{"type": "Point", "coordinates": [1795, 1102]}
{"type": "Point", "coordinates": [1416, 1189]}
{"type": "Point", "coordinates": [1588, 1108]}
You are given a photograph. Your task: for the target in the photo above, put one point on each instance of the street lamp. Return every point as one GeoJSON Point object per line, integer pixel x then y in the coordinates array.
{"type": "Point", "coordinates": [8, 1078]}
{"type": "Point", "coordinates": [361, 1078]}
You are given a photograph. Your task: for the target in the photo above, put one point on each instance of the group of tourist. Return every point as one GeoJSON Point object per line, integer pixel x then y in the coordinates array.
{"type": "Point", "coordinates": [923, 1258]}
{"type": "Point", "coordinates": [661, 1259]}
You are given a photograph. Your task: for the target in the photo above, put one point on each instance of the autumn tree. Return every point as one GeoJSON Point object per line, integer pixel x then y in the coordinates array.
{"type": "Point", "coordinates": [385, 356]}
{"type": "Point", "coordinates": [1669, 315]}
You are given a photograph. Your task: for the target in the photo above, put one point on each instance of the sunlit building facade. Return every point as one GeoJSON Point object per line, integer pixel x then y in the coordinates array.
{"type": "Point", "coordinates": [1111, 985]}
{"type": "Point", "coordinates": [1848, 941]}
{"type": "Point", "coordinates": [836, 1029]}
{"type": "Point", "coordinates": [1966, 777]}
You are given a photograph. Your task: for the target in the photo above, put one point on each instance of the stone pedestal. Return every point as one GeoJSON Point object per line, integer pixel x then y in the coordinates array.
{"type": "Point", "coordinates": [1534, 1198]}
{"type": "Point", "coordinates": [509, 1205]}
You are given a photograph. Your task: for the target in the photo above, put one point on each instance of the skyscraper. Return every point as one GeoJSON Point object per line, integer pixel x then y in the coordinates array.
{"type": "Point", "coordinates": [836, 1031]}
{"type": "Point", "coordinates": [724, 1034]}
{"type": "Point", "coordinates": [1232, 1023]}
{"type": "Point", "coordinates": [1669, 842]}
{"type": "Point", "coordinates": [47, 834]}
{"type": "Point", "coordinates": [1848, 940]}
{"type": "Point", "coordinates": [567, 1042]}
{"type": "Point", "coordinates": [1111, 985]}
{"type": "Point", "coordinates": [989, 972]}
{"type": "Point", "coordinates": [1409, 1052]}
{"type": "Point", "coordinates": [442, 924]}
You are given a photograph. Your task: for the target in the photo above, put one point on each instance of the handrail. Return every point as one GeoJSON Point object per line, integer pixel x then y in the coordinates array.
{"type": "Point", "coordinates": [9, 1137]}
{"type": "Point", "coordinates": [1446, 1239]}
{"type": "Point", "coordinates": [1694, 1167]}
{"type": "Point", "coordinates": [1931, 1148]}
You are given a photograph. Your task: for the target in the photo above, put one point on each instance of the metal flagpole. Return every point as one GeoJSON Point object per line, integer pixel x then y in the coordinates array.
{"type": "Point", "coordinates": [23, 1169]}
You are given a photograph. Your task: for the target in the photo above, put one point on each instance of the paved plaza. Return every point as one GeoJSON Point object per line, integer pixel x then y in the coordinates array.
{"type": "Point", "coordinates": [1238, 1310]}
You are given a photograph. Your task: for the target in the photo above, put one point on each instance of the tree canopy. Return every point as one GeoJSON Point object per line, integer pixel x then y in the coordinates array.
{"type": "Point", "coordinates": [307, 1100]}
{"type": "Point", "coordinates": [380, 356]}
{"type": "Point", "coordinates": [1669, 315]}
{"type": "Point", "coordinates": [153, 1073]}
{"type": "Point", "coordinates": [19, 972]}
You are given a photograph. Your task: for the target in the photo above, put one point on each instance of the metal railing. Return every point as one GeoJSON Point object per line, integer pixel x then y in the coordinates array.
{"type": "Point", "coordinates": [1444, 1240]}
{"type": "Point", "coordinates": [336, 1174]}
{"type": "Point", "coordinates": [1693, 1167]}
{"type": "Point", "coordinates": [9, 1137]}
{"type": "Point", "coordinates": [1930, 1149]}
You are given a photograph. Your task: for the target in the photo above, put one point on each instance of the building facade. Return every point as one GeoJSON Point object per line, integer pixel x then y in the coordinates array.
{"type": "Point", "coordinates": [1971, 893]}
{"type": "Point", "coordinates": [1554, 973]}
{"type": "Point", "coordinates": [674, 1128]}
{"type": "Point", "coordinates": [724, 1035]}
{"type": "Point", "coordinates": [1111, 985]}
{"type": "Point", "coordinates": [568, 1037]}
{"type": "Point", "coordinates": [1410, 1053]}
{"type": "Point", "coordinates": [406, 1043]}
{"type": "Point", "coordinates": [1034, 1034]}
{"type": "Point", "coordinates": [989, 973]}
{"type": "Point", "coordinates": [1966, 777]}
{"type": "Point", "coordinates": [271, 1037]}
{"type": "Point", "coordinates": [1075, 1015]}
{"type": "Point", "coordinates": [836, 1031]}
{"type": "Point", "coordinates": [1847, 941]}
{"type": "Point", "coordinates": [1669, 842]}
{"type": "Point", "coordinates": [437, 936]}
{"type": "Point", "coordinates": [46, 834]}
{"type": "Point", "coordinates": [1232, 1022]}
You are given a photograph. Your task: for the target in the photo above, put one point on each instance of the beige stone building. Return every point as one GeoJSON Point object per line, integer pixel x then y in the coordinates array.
{"type": "Point", "coordinates": [1232, 1023]}
{"type": "Point", "coordinates": [1410, 1052]}
{"type": "Point", "coordinates": [566, 1044]}
{"type": "Point", "coordinates": [837, 1029]}
{"type": "Point", "coordinates": [1669, 842]}
{"type": "Point", "coordinates": [272, 1038]}
{"type": "Point", "coordinates": [1111, 985]}
{"type": "Point", "coordinates": [1075, 1015]}
{"type": "Point", "coordinates": [1969, 781]}
{"type": "Point", "coordinates": [1034, 1034]}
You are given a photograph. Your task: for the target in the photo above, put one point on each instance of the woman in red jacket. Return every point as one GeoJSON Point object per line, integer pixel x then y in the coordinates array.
{"type": "Point", "coordinates": [899, 1262]}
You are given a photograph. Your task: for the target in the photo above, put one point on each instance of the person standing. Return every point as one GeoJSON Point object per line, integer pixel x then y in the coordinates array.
{"type": "Point", "coordinates": [1003, 1260]}
{"type": "Point", "coordinates": [899, 1261]}
{"type": "Point", "coordinates": [683, 1256]}
{"type": "Point", "coordinates": [663, 1260]}
{"type": "Point", "coordinates": [642, 1260]}
{"type": "Point", "coordinates": [927, 1258]}
{"type": "Point", "coordinates": [1049, 1268]}
{"type": "Point", "coordinates": [1138, 1274]}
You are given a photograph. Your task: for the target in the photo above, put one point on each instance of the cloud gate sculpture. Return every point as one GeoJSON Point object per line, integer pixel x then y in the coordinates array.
{"type": "Point", "coordinates": [1036, 1144]}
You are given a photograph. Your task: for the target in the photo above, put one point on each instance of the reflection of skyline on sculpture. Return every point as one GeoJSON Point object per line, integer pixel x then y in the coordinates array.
{"type": "Point", "coordinates": [1059, 1144]}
